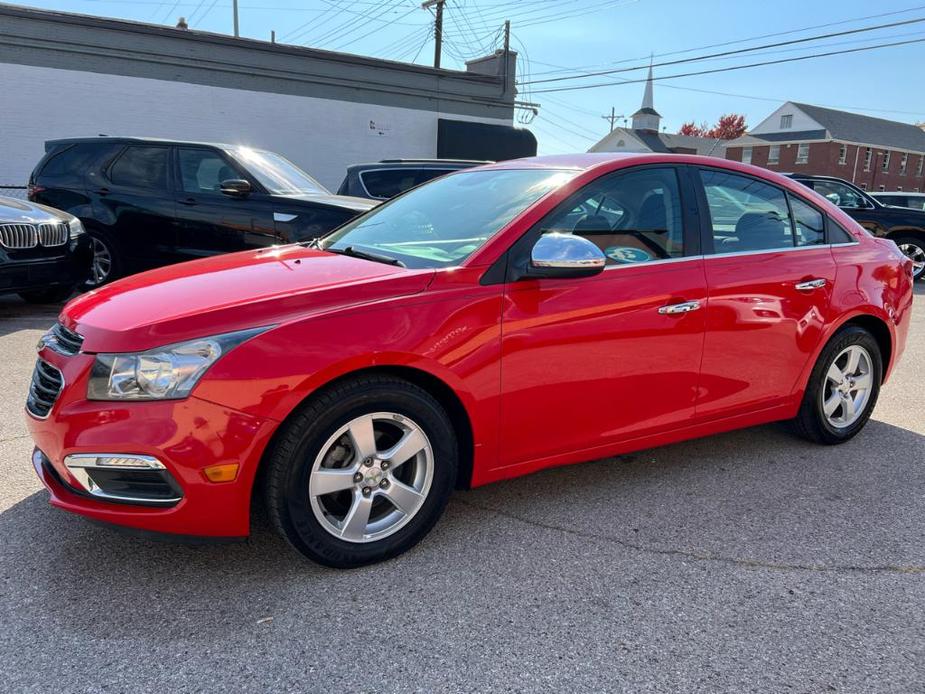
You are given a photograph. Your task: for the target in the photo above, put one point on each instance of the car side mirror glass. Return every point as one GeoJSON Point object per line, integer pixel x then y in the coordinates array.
{"type": "Point", "coordinates": [564, 256]}
{"type": "Point", "coordinates": [235, 187]}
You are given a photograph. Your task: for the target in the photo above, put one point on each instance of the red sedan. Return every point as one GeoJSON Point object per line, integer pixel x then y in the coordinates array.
{"type": "Point", "coordinates": [494, 322]}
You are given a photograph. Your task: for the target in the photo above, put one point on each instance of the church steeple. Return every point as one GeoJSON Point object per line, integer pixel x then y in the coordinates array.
{"type": "Point", "coordinates": [647, 118]}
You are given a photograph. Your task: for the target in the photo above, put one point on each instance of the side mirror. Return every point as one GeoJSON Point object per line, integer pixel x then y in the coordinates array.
{"type": "Point", "coordinates": [565, 256]}
{"type": "Point", "coordinates": [235, 188]}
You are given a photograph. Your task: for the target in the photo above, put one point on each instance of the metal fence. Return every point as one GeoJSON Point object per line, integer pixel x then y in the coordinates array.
{"type": "Point", "coordinates": [18, 192]}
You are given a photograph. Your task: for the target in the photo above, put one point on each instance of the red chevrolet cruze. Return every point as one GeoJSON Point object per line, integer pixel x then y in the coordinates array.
{"type": "Point", "coordinates": [491, 323]}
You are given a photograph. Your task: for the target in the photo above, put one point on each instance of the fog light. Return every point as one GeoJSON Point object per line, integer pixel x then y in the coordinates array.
{"type": "Point", "coordinates": [225, 472]}
{"type": "Point", "coordinates": [133, 479]}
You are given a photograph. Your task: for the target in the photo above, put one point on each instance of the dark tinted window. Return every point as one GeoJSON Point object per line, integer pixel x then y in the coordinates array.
{"type": "Point", "coordinates": [810, 224]}
{"type": "Point", "coordinates": [141, 167]}
{"type": "Point", "coordinates": [70, 160]}
{"type": "Point", "coordinates": [202, 170]}
{"type": "Point", "coordinates": [633, 217]}
{"type": "Point", "coordinates": [839, 194]}
{"type": "Point", "coordinates": [746, 214]}
{"type": "Point", "coordinates": [387, 183]}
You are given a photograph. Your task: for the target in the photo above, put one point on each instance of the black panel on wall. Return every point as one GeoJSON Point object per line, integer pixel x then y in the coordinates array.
{"type": "Point", "coordinates": [457, 139]}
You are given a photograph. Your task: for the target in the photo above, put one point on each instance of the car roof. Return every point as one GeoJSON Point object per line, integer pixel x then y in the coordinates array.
{"type": "Point", "coordinates": [904, 193]}
{"type": "Point", "coordinates": [143, 140]}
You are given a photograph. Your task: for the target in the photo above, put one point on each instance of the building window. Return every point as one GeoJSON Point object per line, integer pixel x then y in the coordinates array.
{"type": "Point", "coordinates": [918, 171]}
{"type": "Point", "coordinates": [899, 188]}
{"type": "Point", "coordinates": [774, 154]}
{"type": "Point", "coordinates": [746, 155]}
{"type": "Point", "coordinates": [863, 186]}
{"type": "Point", "coordinates": [786, 121]}
{"type": "Point", "coordinates": [802, 154]}
{"type": "Point", "coordinates": [843, 154]}
{"type": "Point", "coordinates": [882, 187]}
{"type": "Point", "coordinates": [902, 164]}
{"type": "Point", "coordinates": [867, 156]}
{"type": "Point", "coordinates": [886, 160]}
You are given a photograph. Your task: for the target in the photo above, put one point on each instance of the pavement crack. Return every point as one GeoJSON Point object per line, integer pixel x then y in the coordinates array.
{"type": "Point", "coordinates": [14, 438]}
{"type": "Point", "coordinates": [704, 555]}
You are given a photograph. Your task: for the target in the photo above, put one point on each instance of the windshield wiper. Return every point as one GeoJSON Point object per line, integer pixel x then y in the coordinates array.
{"type": "Point", "coordinates": [355, 252]}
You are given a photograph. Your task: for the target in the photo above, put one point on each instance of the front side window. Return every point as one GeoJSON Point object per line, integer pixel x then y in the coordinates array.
{"type": "Point", "coordinates": [141, 167]}
{"type": "Point", "coordinates": [774, 154]}
{"type": "Point", "coordinates": [802, 154]}
{"type": "Point", "coordinates": [203, 170]}
{"type": "Point", "coordinates": [277, 174]}
{"type": "Point", "coordinates": [808, 222]}
{"type": "Point", "coordinates": [786, 121]}
{"type": "Point", "coordinates": [746, 214]}
{"type": "Point", "coordinates": [746, 155]}
{"type": "Point", "coordinates": [445, 221]}
{"type": "Point", "coordinates": [839, 194]}
{"type": "Point", "coordinates": [632, 217]}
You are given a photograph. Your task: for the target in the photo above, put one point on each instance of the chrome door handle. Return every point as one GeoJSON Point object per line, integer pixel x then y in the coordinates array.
{"type": "Point", "coordinates": [673, 309]}
{"type": "Point", "coordinates": [809, 285]}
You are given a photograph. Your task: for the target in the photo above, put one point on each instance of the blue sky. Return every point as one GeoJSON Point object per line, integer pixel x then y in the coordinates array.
{"type": "Point", "coordinates": [557, 38]}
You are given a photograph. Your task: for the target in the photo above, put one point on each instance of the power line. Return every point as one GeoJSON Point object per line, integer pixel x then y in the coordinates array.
{"type": "Point", "coordinates": [805, 39]}
{"type": "Point", "coordinates": [735, 67]}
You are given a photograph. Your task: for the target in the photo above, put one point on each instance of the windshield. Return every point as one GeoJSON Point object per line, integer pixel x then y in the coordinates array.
{"type": "Point", "coordinates": [445, 221]}
{"type": "Point", "coordinates": [277, 174]}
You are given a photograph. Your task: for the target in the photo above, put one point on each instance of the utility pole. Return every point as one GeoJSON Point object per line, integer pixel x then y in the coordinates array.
{"type": "Point", "coordinates": [234, 5]}
{"type": "Point", "coordinates": [438, 27]}
{"type": "Point", "coordinates": [612, 118]}
{"type": "Point", "coordinates": [507, 51]}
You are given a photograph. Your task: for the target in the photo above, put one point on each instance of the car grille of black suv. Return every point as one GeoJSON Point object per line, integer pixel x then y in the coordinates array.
{"type": "Point", "coordinates": [45, 388]}
{"type": "Point", "coordinates": [63, 341]}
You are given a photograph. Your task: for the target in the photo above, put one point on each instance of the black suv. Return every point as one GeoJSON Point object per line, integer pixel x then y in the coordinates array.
{"type": "Point", "coordinates": [147, 202]}
{"type": "Point", "coordinates": [904, 226]}
{"type": "Point", "coordinates": [44, 253]}
{"type": "Point", "coordinates": [389, 177]}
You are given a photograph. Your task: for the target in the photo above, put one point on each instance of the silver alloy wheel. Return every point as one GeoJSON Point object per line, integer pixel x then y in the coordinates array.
{"type": "Point", "coordinates": [847, 388]}
{"type": "Point", "coordinates": [916, 254]}
{"type": "Point", "coordinates": [371, 477]}
{"type": "Point", "coordinates": [102, 262]}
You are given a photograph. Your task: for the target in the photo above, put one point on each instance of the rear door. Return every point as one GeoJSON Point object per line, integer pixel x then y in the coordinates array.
{"type": "Point", "coordinates": [210, 222]}
{"type": "Point", "coordinates": [770, 275]}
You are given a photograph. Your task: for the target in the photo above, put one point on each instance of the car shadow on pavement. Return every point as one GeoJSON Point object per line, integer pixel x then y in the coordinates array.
{"type": "Point", "coordinates": [750, 500]}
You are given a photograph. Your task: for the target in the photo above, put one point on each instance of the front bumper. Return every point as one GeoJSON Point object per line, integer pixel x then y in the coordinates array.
{"type": "Point", "coordinates": [66, 270]}
{"type": "Point", "coordinates": [185, 435]}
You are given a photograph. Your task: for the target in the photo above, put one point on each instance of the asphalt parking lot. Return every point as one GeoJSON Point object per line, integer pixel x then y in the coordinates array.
{"type": "Point", "coordinates": [745, 562]}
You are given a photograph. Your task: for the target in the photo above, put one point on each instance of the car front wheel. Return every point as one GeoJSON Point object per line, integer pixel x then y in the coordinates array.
{"type": "Point", "coordinates": [842, 389]}
{"type": "Point", "coordinates": [362, 472]}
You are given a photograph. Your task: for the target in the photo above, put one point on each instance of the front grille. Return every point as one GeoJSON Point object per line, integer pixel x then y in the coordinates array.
{"type": "Point", "coordinates": [45, 388]}
{"type": "Point", "coordinates": [53, 234]}
{"type": "Point", "coordinates": [18, 236]}
{"type": "Point", "coordinates": [63, 341]}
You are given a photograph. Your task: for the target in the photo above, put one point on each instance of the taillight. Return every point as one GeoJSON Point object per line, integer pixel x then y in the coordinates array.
{"type": "Point", "coordinates": [35, 190]}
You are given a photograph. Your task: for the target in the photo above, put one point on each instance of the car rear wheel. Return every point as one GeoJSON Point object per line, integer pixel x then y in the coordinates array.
{"type": "Point", "coordinates": [106, 264]}
{"type": "Point", "coordinates": [913, 248]}
{"type": "Point", "coordinates": [362, 472]}
{"type": "Point", "coordinates": [842, 389]}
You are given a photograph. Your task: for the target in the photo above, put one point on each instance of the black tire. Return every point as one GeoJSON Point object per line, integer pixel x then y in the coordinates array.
{"type": "Point", "coordinates": [116, 266]}
{"type": "Point", "coordinates": [49, 295]}
{"type": "Point", "coordinates": [299, 441]}
{"type": "Point", "coordinates": [811, 422]}
{"type": "Point", "coordinates": [917, 245]}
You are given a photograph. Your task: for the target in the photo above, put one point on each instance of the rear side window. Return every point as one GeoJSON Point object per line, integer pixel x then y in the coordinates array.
{"type": "Point", "coordinates": [387, 183]}
{"type": "Point", "coordinates": [810, 224]}
{"type": "Point", "coordinates": [746, 214]}
{"type": "Point", "coordinates": [837, 233]}
{"type": "Point", "coordinates": [72, 160]}
{"type": "Point", "coordinates": [141, 167]}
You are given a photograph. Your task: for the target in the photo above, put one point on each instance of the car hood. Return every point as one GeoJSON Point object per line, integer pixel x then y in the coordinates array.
{"type": "Point", "coordinates": [20, 211]}
{"type": "Point", "coordinates": [230, 292]}
{"type": "Point", "coordinates": [347, 201]}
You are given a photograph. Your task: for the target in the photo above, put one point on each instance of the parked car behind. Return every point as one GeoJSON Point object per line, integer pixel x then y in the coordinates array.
{"type": "Point", "coordinates": [906, 227]}
{"type": "Point", "coordinates": [44, 253]}
{"type": "Point", "coordinates": [900, 199]}
{"type": "Point", "coordinates": [538, 312]}
{"type": "Point", "coordinates": [389, 177]}
{"type": "Point", "coordinates": [147, 202]}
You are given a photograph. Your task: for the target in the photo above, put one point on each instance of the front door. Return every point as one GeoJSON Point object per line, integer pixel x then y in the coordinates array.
{"type": "Point", "coordinates": [588, 362]}
{"type": "Point", "coordinates": [210, 222]}
{"type": "Point", "coordinates": [770, 272]}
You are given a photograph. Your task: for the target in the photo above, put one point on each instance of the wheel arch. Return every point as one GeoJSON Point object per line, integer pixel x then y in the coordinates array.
{"type": "Point", "coordinates": [896, 232]}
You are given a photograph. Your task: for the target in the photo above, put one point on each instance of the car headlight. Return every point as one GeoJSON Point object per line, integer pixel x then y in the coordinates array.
{"type": "Point", "coordinates": [166, 373]}
{"type": "Point", "coordinates": [76, 229]}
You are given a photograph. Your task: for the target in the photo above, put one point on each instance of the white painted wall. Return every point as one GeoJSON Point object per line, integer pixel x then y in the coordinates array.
{"type": "Point", "coordinates": [322, 136]}
{"type": "Point", "coordinates": [771, 124]}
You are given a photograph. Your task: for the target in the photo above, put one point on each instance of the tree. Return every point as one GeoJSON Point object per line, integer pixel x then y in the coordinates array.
{"type": "Point", "coordinates": [728, 127]}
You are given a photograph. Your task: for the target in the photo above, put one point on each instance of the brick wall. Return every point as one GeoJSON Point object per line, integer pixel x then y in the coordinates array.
{"type": "Point", "coordinates": [824, 160]}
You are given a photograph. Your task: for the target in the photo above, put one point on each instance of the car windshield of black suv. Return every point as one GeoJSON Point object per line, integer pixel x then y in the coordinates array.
{"type": "Point", "coordinates": [445, 221]}
{"type": "Point", "coordinates": [277, 174]}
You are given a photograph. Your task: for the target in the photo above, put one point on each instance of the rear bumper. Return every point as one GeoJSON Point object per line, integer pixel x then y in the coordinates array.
{"type": "Point", "coordinates": [187, 436]}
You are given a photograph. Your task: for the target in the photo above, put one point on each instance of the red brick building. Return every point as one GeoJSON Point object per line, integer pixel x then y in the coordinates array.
{"type": "Point", "coordinates": [873, 153]}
